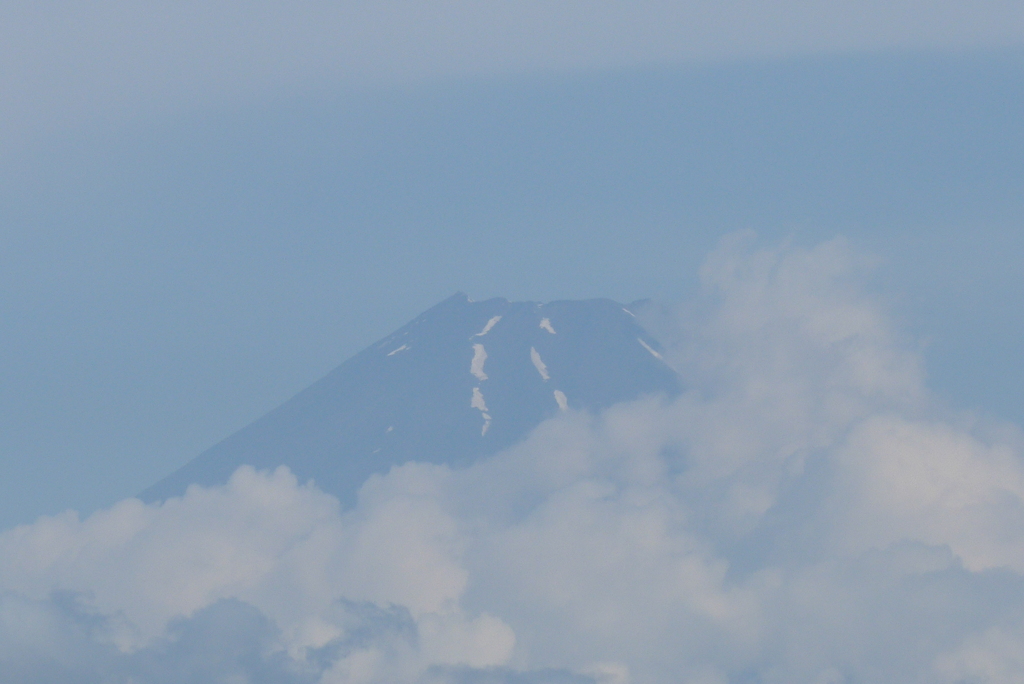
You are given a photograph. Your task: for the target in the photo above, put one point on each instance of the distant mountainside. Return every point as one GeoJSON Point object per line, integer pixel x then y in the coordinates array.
{"type": "Point", "coordinates": [463, 380]}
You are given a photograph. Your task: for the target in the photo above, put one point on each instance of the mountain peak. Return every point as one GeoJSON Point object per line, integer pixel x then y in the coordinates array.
{"type": "Point", "coordinates": [460, 381]}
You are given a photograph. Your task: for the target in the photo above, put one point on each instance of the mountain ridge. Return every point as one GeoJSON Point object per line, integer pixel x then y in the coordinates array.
{"type": "Point", "coordinates": [460, 381]}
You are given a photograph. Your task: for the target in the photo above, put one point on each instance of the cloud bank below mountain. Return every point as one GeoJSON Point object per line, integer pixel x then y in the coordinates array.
{"type": "Point", "coordinates": [807, 511]}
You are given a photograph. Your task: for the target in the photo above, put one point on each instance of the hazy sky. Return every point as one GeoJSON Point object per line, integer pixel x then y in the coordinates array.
{"type": "Point", "coordinates": [69, 61]}
{"type": "Point", "coordinates": [206, 206]}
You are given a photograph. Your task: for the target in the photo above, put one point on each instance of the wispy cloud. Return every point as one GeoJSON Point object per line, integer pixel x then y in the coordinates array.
{"type": "Point", "coordinates": [807, 511]}
{"type": "Point", "coordinates": [125, 57]}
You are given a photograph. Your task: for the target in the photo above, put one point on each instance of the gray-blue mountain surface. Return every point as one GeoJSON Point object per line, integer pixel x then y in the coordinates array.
{"type": "Point", "coordinates": [463, 380]}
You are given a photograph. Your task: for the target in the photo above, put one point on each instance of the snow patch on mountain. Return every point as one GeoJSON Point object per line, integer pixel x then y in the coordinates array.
{"type": "Point", "coordinates": [476, 366]}
{"type": "Point", "coordinates": [545, 324]}
{"type": "Point", "coordinates": [478, 403]}
{"type": "Point", "coordinates": [563, 403]}
{"type": "Point", "coordinates": [487, 328]}
{"type": "Point", "coordinates": [539, 364]}
{"type": "Point", "coordinates": [478, 400]}
{"type": "Point", "coordinates": [648, 348]}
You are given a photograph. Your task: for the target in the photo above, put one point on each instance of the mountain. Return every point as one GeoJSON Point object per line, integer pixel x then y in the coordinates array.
{"type": "Point", "coordinates": [463, 380]}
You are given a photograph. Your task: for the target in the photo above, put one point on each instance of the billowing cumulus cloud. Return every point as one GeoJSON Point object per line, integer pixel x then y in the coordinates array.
{"type": "Point", "coordinates": [806, 512]}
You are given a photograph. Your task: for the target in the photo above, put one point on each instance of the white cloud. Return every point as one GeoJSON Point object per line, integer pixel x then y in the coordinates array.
{"type": "Point", "coordinates": [805, 512]}
{"type": "Point", "coordinates": [994, 656]}
{"type": "Point", "coordinates": [931, 482]}
{"type": "Point", "coordinates": [283, 553]}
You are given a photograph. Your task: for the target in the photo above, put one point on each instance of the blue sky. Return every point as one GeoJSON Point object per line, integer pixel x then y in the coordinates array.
{"type": "Point", "coordinates": [205, 208]}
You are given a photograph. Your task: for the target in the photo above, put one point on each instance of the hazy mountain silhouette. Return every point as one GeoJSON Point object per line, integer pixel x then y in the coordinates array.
{"type": "Point", "coordinates": [462, 380]}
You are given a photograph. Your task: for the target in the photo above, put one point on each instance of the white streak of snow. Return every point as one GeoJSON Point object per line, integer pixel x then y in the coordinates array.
{"type": "Point", "coordinates": [404, 346]}
{"type": "Point", "coordinates": [538, 364]}
{"type": "Point", "coordinates": [487, 328]}
{"type": "Point", "coordinates": [478, 400]}
{"type": "Point", "coordinates": [648, 348]}
{"type": "Point", "coordinates": [476, 366]}
{"type": "Point", "coordinates": [545, 324]}
{"type": "Point", "coordinates": [629, 312]}
{"type": "Point", "coordinates": [390, 428]}
{"type": "Point", "coordinates": [563, 403]}
{"type": "Point", "coordinates": [479, 404]}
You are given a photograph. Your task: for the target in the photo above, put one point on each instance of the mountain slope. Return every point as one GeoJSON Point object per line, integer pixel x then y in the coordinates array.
{"type": "Point", "coordinates": [462, 380]}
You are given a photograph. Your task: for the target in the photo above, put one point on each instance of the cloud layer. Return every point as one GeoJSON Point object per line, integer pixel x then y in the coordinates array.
{"type": "Point", "coordinates": [123, 57]}
{"type": "Point", "coordinates": [807, 512]}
